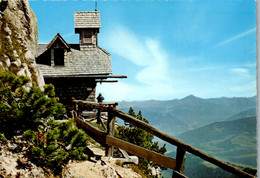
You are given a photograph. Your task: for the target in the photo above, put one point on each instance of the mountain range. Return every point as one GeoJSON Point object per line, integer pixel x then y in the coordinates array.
{"type": "Point", "coordinates": [179, 115]}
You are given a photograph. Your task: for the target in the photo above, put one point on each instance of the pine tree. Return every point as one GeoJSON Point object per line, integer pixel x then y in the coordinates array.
{"type": "Point", "coordinates": [21, 108]}
{"type": "Point", "coordinates": [141, 138]}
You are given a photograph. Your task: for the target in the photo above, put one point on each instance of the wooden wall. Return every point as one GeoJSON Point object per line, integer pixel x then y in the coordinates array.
{"type": "Point", "coordinates": [79, 88]}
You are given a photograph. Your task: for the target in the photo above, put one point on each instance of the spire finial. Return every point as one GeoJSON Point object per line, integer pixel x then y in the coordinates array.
{"type": "Point", "coordinates": [96, 5]}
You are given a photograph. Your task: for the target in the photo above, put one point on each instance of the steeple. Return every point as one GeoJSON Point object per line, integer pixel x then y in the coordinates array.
{"type": "Point", "coordinates": [87, 24]}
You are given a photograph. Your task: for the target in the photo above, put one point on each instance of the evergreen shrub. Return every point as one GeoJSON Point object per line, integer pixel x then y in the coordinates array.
{"type": "Point", "coordinates": [22, 109]}
{"type": "Point", "coordinates": [2, 138]}
{"type": "Point", "coordinates": [53, 146]}
{"type": "Point", "coordinates": [31, 112]}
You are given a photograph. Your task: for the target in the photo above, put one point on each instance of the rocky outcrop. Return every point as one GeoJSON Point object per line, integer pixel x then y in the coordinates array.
{"type": "Point", "coordinates": [18, 39]}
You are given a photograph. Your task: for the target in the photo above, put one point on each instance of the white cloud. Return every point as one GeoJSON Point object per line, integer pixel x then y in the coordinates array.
{"type": "Point", "coordinates": [124, 43]}
{"type": "Point", "coordinates": [229, 40]}
{"type": "Point", "coordinates": [156, 77]}
{"type": "Point", "coordinates": [241, 72]}
{"type": "Point", "coordinates": [157, 71]}
{"type": "Point", "coordinates": [244, 83]}
{"type": "Point", "coordinates": [153, 81]}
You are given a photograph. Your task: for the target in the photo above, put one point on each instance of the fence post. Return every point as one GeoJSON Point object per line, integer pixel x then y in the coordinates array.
{"type": "Point", "coordinates": [180, 163]}
{"type": "Point", "coordinates": [110, 130]}
{"type": "Point", "coordinates": [99, 121]}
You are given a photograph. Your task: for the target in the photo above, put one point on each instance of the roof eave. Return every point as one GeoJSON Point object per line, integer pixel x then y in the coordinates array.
{"type": "Point", "coordinates": [96, 76]}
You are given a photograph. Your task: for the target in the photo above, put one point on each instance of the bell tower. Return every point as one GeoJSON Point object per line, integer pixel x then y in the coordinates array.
{"type": "Point", "coordinates": [87, 25]}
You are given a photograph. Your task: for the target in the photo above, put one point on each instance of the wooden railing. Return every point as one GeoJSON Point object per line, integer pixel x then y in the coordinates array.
{"type": "Point", "coordinates": [108, 140]}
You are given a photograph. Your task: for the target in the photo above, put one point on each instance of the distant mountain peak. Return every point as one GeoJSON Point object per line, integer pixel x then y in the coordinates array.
{"type": "Point", "coordinates": [191, 97]}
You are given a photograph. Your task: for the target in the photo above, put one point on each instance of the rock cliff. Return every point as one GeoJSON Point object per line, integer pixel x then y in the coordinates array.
{"type": "Point", "coordinates": [18, 39]}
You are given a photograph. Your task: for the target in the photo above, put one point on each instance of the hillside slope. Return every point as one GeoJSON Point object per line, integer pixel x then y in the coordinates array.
{"type": "Point", "coordinates": [232, 141]}
{"type": "Point", "coordinates": [243, 114]}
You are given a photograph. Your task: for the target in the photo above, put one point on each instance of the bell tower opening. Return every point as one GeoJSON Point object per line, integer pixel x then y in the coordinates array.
{"type": "Point", "coordinates": [87, 25]}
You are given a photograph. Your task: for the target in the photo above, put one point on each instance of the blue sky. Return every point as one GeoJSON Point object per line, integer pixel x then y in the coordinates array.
{"type": "Point", "coordinates": [168, 49]}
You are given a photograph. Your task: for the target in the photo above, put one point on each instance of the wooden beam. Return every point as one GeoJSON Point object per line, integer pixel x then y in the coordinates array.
{"type": "Point", "coordinates": [105, 80]}
{"type": "Point", "coordinates": [104, 106]}
{"type": "Point", "coordinates": [92, 131]}
{"type": "Point", "coordinates": [92, 105]}
{"type": "Point", "coordinates": [142, 152]}
{"type": "Point", "coordinates": [85, 76]}
{"type": "Point", "coordinates": [176, 174]}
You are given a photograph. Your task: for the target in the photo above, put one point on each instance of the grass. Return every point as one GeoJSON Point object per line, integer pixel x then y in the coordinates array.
{"type": "Point", "coordinates": [119, 163]}
{"type": "Point", "coordinates": [136, 169]}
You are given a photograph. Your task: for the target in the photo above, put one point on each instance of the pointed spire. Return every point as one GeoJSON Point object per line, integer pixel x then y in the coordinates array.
{"type": "Point", "coordinates": [96, 5]}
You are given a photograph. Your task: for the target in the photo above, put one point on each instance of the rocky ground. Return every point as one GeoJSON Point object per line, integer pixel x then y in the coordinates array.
{"type": "Point", "coordinates": [105, 167]}
{"type": "Point", "coordinates": [16, 165]}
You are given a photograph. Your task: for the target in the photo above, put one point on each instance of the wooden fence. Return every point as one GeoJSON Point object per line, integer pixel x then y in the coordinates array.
{"type": "Point", "coordinates": [108, 140]}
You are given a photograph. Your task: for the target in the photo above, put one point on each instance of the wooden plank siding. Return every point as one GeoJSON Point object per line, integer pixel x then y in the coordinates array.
{"type": "Point", "coordinates": [79, 88]}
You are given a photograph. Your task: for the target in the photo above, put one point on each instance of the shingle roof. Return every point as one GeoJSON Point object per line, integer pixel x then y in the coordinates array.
{"type": "Point", "coordinates": [87, 19]}
{"type": "Point", "coordinates": [91, 61]}
{"type": "Point", "coordinates": [58, 36]}
{"type": "Point", "coordinates": [40, 48]}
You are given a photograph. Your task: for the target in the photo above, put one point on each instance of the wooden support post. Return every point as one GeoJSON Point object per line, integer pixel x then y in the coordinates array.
{"type": "Point", "coordinates": [99, 120]}
{"type": "Point", "coordinates": [180, 164]}
{"type": "Point", "coordinates": [73, 114]}
{"type": "Point", "coordinates": [110, 131]}
{"type": "Point", "coordinates": [99, 116]}
{"type": "Point", "coordinates": [77, 109]}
